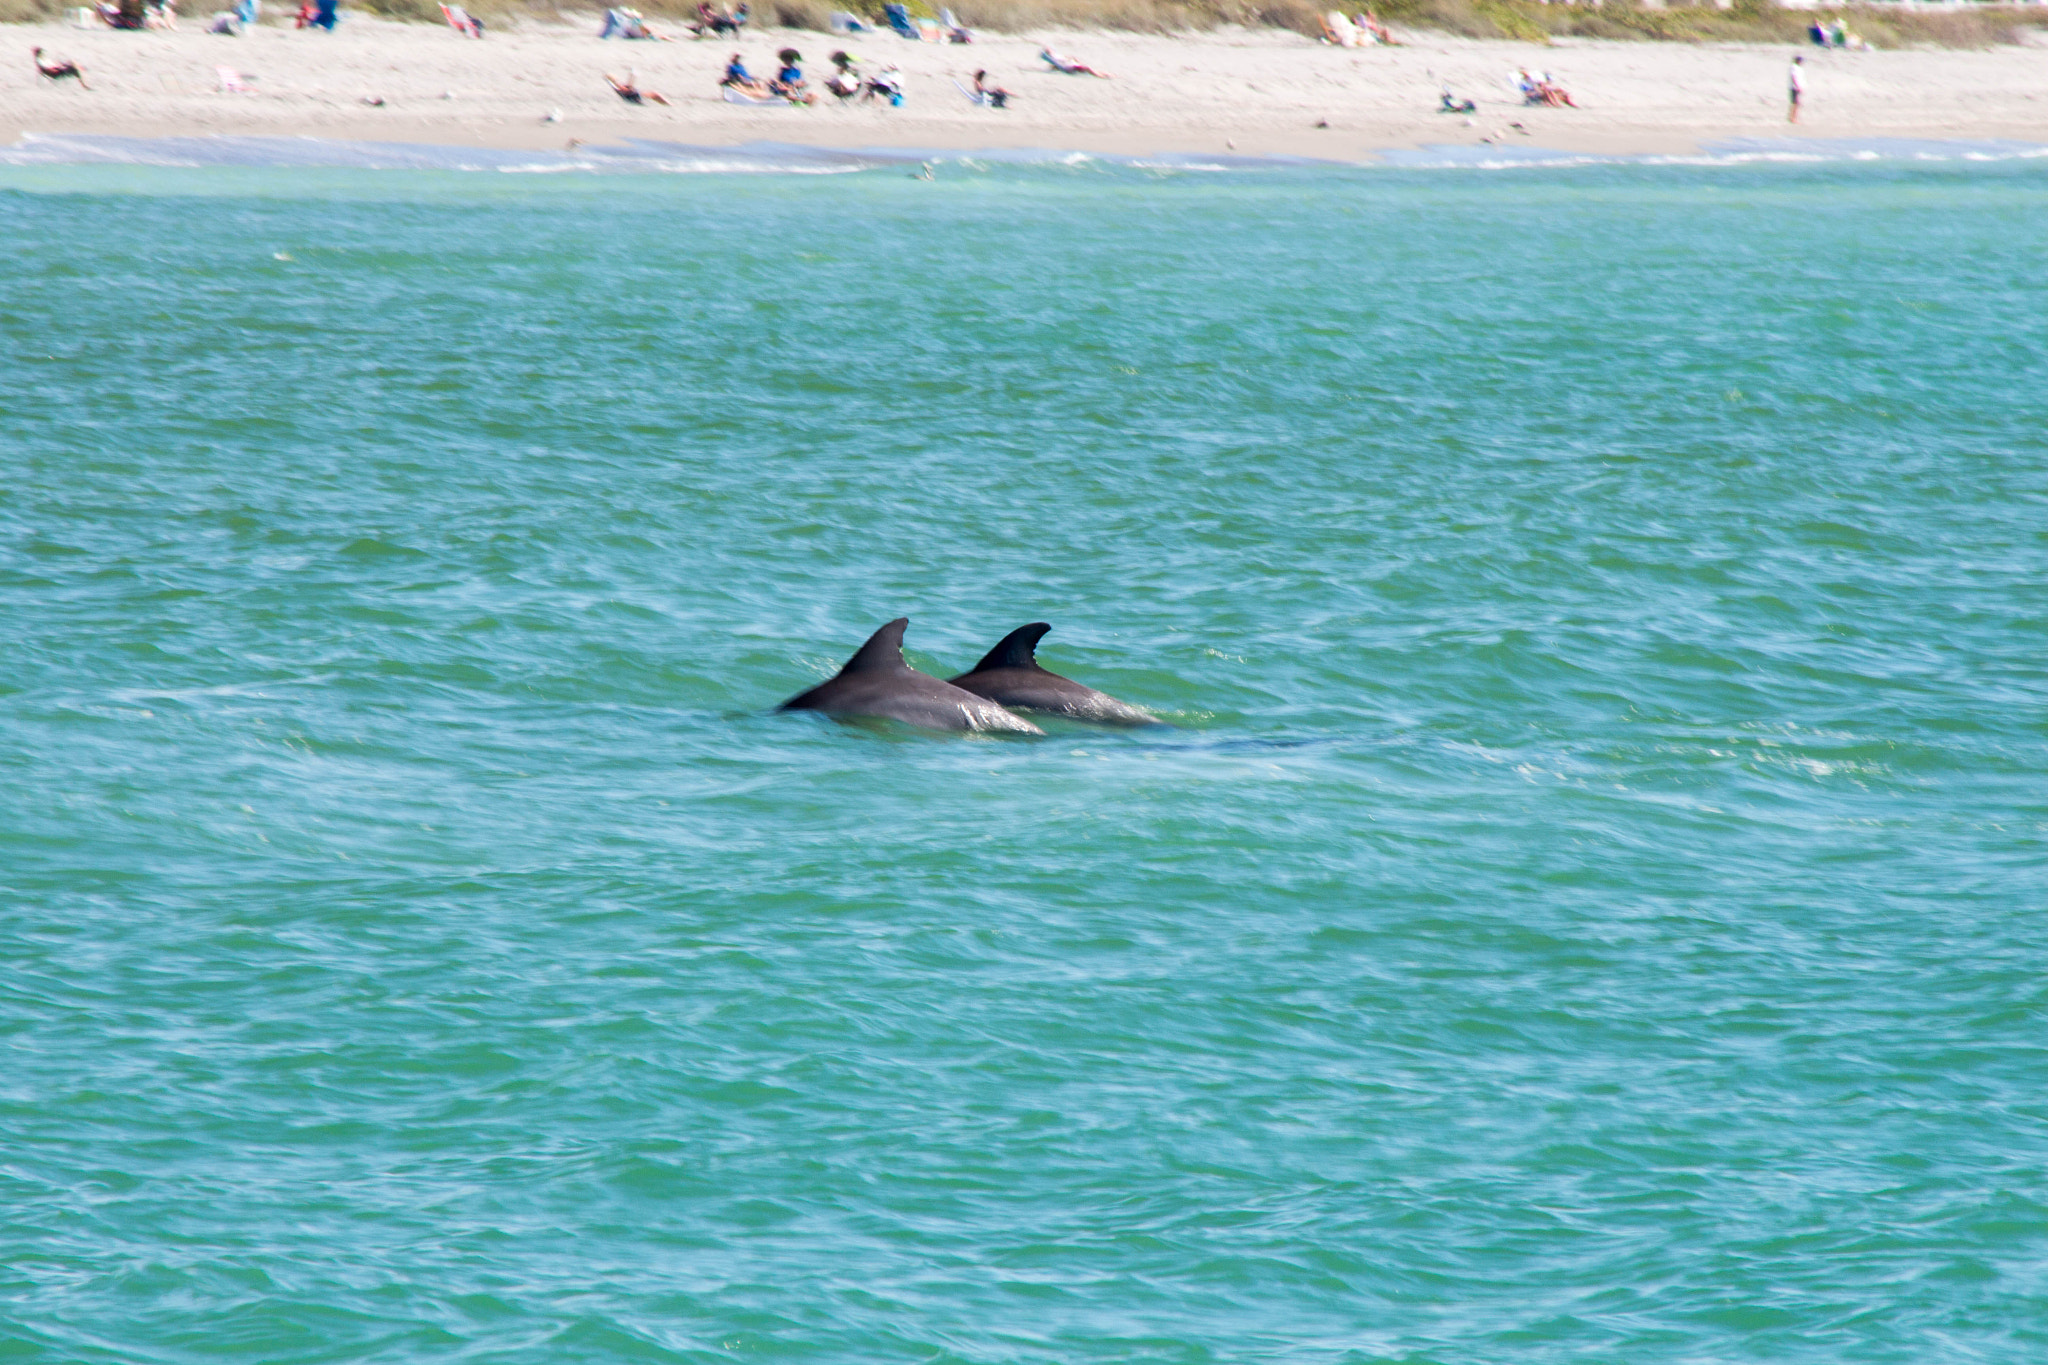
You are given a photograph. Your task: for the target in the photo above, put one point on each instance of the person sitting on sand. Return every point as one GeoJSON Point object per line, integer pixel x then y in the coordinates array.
{"type": "Point", "coordinates": [1448, 103]}
{"type": "Point", "coordinates": [1370, 22]}
{"type": "Point", "coordinates": [739, 79]}
{"type": "Point", "coordinates": [162, 16]}
{"type": "Point", "coordinates": [629, 89]}
{"type": "Point", "coordinates": [789, 80]}
{"type": "Point", "coordinates": [58, 71]}
{"type": "Point", "coordinates": [1551, 93]}
{"type": "Point", "coordinates": [1067, 66]}
{"type": "Point", "coordinates": [844, 82]}
{"type": "Point", "coordinates": [994, 96]}
{"type": "Point", "coordinates": [886, 84]}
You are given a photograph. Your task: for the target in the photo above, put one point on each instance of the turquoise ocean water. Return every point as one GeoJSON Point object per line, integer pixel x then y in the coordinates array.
{"type": "Point", "coordinates": [1589, 907]}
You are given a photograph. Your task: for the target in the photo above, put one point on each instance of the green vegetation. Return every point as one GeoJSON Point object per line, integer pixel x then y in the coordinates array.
{"type": "Point", "coordinates": [1748, 21]}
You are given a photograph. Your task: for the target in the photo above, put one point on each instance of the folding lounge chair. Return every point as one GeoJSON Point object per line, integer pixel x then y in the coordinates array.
{"type": "Point", "coordinates": [899, 19]}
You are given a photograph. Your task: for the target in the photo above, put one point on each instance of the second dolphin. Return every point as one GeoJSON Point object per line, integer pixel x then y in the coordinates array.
{"type": "Point", "coordinates": [1010, 674]}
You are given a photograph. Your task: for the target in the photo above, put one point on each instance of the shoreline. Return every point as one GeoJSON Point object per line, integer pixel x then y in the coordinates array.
{"type": "Point", "coordinates": [645, 156]}
{"type": "Point", "coordinates": [1242, 93]}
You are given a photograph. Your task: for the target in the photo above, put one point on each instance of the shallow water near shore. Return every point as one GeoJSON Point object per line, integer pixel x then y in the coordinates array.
{"type": "Point", "coordinates": [646, 156]}
{"type": "Point", "coordinates": [1587, 906]}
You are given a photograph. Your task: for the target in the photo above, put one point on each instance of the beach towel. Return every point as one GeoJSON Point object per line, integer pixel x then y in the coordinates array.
{"type": "Point", "coordinates": [973, 97]}
{"type": "Point", "coordinates": [733, 96]}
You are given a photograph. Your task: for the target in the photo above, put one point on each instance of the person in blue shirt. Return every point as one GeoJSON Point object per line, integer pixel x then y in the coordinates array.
{"type": "Point", "coordinates": [789, 81]}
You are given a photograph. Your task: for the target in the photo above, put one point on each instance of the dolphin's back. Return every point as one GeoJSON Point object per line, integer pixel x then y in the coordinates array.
{"type": "Point", "coordinates": [1010, 675]}
{"type": "Point", "coordinates": [877, 682]}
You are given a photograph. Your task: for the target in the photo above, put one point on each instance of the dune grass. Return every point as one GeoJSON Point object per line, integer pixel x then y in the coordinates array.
{"type": "Point", "coordinates": [1884, 26]}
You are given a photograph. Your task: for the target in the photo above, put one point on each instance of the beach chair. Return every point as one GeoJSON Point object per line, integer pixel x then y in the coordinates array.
{"type": "Point", "coordinates": [899, 20]}
{"type": "Point", "coordinates": [232, 82]}
{"type": "Point", "coordinates": [85, 17]}
{"type": "Point", "coordinates": [842, 22]}
{"type": "Point", "coordinates": [956, 32]}
{"type": "Point", "coordinates": [459, 20]}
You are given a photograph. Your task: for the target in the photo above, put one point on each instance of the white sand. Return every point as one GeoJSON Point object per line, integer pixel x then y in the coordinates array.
{"type": "Point", "coordinates": [1255, 92]}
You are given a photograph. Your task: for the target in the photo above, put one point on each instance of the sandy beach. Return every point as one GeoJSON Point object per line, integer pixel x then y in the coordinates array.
{"type": "Point", "coordinates": [1252, 92]}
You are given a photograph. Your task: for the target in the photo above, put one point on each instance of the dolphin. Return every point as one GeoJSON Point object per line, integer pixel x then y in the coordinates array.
{"type": "Point", "coordinates": [1010, 674]}
{"type": "Point", "coordinates": [876, 682]}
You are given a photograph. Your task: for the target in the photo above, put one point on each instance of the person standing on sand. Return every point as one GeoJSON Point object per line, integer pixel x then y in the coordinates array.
{"type": "Point", "coordinates": [1795, 77]}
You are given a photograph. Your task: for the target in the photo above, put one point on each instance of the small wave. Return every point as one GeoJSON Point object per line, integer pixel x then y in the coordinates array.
{"type": "Point", "coordinates": [642, 156]}
{"type": "Point", "coordinates": [630, 156]}
{"type": "Point", "coordinates": [1729, 152]}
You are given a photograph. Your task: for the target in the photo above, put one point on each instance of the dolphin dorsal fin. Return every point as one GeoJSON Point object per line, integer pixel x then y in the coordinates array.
{"type": "Point", "coordinates": [1018, 649]}
{"type": "Point", "coordinates": [883, 653]}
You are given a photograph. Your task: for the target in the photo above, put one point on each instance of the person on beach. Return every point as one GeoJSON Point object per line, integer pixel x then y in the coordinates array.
{"type": "Point", "coordinates": [717, 21]}
{"type": "Point", "coordinates": [886, 84]}
{"type": "Point", "coordinates": [789, 81]}
{"type": "Point", "coordinates": [992, 95]}
{"type": "Point", "coordinates": [739, 79]}
{"type": "Point", "coordinates": [1067, 66]}
{"type": "Point", "coordinates": [629, 89]}
{"type": "Point", "coordinates": [59, 71]}
{"type": "Point", "coordinates": [845, 81]}
{"type": "Point", "coordinates": [1796, 81]}
{"type": "Point", "coordinates": [1369, 23]}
